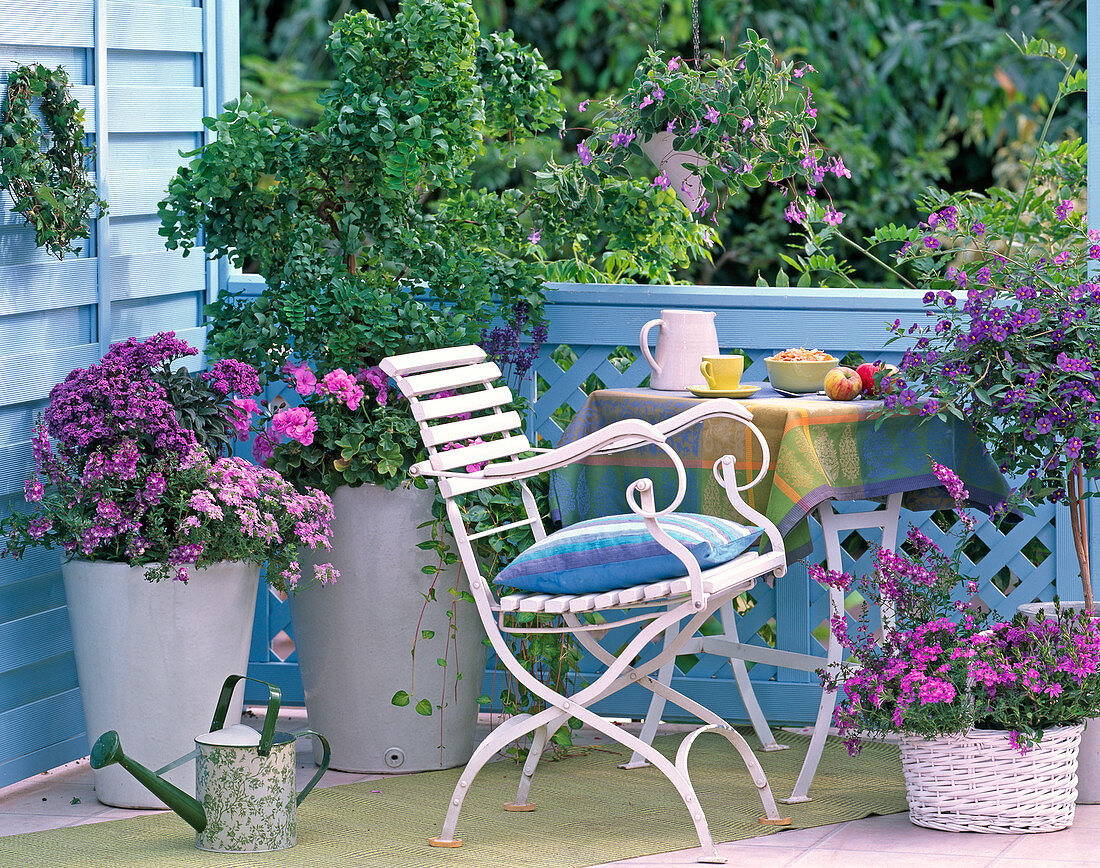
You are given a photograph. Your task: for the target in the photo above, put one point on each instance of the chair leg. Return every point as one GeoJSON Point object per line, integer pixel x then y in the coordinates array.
{"type": "Point", "coordinates": [714, 723]}
{"type": "Point", "coordinates": [744, 685]}
{"type": "Point", "coordinates": [675, 777]}
{"type": "Point", "coordinates": [653, 715]}
{"type": "Point", "coordinates": [508, 731]}
{"type": "Point", "coordinates": [538, 744]}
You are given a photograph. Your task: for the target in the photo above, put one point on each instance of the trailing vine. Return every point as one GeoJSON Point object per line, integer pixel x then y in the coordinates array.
{"type": "Point", "coordinates": [49, 185]}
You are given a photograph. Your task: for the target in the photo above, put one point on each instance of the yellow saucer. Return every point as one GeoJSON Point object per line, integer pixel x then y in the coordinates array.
{"type": "Point", "coordinates": [742, 391]}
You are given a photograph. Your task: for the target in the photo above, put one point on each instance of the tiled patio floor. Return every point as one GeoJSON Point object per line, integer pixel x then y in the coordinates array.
{"type": "Point", "coordinates": [65, 797]}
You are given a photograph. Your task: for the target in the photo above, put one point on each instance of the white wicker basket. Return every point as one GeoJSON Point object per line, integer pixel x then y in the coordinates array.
{"type": "Point", "coordinates": [978, 782]}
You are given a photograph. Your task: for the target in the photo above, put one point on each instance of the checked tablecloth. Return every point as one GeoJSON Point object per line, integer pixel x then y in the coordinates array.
{"type": "Point", "coordinates": [820, 450]}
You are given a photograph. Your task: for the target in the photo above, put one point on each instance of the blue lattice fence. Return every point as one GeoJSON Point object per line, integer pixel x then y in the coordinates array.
{"type": "Point", "coordinates": [1033, 560]}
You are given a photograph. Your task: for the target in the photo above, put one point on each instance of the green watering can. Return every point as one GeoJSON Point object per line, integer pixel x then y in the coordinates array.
{"type": "Point", "coordinates": [244, 780]}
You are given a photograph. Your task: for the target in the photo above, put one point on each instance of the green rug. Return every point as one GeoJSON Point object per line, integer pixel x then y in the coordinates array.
{"type": "Point", "coordinates": [589, 812]}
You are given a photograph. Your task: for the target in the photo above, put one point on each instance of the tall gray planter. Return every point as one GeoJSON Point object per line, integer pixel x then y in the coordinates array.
{"type": "Point", "coordinates": [354, 640]}
{"type": "Point", "coordinates": [151, 658]}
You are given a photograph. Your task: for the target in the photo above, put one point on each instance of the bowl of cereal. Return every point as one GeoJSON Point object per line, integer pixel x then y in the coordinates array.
{"type": "Point", "coordinates": [799, 370]}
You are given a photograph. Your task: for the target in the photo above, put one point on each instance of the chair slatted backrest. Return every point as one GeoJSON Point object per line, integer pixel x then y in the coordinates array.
{"type": "Point", "coordinates": [464, 417]}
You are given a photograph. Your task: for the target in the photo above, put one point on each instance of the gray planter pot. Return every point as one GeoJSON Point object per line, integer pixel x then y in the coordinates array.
{"type": "Point", "coordinates": [354, 640]}
{"type": "Point", "coordinates": [1088, 763]}
{"type": "Point", "coordinates": [151, 659]}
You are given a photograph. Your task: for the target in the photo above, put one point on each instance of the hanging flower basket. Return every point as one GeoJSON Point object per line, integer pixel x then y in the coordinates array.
{"type": "Point", "coordinates": [979, 782]}
{"type": "Point", "coordinates": [676, 167]}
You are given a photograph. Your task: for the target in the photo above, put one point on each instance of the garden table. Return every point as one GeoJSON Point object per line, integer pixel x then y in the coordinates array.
{"type": "Point", "coordinates": [821, 451]}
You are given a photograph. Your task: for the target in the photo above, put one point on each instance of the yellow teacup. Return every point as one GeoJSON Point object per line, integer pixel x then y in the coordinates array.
{"type": "Point", "coordinates": [722, 373]}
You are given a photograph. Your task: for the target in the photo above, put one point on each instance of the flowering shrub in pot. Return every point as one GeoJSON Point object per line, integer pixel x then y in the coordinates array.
{"type": "Point", "coordinates": [1013, 316]}
{"type": "Point", "coordinates": [962, 689]}
{"type": "Point", "coordinates": [374, 242]}
{"type": "Point", "coordinates": [140, 474]}
{"type": "Point", "coordinates": [164, 535]}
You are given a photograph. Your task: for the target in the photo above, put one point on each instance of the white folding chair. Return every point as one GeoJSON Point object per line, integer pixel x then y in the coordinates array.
{"type": "Point", "coordinates": [675, 608]}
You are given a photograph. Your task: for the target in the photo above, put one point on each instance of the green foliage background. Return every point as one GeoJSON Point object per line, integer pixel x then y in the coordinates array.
{"type": "Point", "coordinates": [911, 93]}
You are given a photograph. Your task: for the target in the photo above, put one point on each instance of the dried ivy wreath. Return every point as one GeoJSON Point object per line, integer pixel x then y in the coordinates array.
{"type": "Point", "coordinates": [46, 175]}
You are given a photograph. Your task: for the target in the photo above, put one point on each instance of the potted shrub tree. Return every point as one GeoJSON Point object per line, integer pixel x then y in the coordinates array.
{"type": "Point", "coordinates": [1010, 343]}
{"type": "Point", "coordinates": [373, 242]}
{"type": "Point", "coordinates": [165, 536]}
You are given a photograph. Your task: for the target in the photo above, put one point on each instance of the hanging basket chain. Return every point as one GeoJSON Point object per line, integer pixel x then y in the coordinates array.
{"type": "Point", "coordinates": [50, 186]}
{"type": "Point", "coordinates": [695, 30]}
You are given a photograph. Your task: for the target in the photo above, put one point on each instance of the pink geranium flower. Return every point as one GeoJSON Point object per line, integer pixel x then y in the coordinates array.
{"type": "Point", "coordinates": [297, 423]}
{"type": "Point", "coordinates": [305, 381]}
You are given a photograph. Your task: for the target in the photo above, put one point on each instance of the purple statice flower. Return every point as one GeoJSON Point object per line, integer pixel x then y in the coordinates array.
{"type": "Point", "coordinates": [228, 376]}
{"type": "Point", "coordinates": [120, 397]}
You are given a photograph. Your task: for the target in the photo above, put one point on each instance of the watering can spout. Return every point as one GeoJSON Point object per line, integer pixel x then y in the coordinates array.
{"type": "Point", "coordinates": [108, 750]}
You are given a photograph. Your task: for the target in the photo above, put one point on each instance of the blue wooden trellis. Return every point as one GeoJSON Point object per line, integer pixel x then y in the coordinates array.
{"type": "Point", "coordinates": [146, 74]}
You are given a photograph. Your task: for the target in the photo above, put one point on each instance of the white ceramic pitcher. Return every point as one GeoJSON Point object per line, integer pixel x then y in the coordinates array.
{"type": "Point", "coordinates": [685, 337]}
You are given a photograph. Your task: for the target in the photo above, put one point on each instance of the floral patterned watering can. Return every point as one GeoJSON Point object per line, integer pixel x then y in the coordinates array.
{"type": "Point", "coordinates": [244, 780]}
{"type": "Point", "coordinates": [686, 336]}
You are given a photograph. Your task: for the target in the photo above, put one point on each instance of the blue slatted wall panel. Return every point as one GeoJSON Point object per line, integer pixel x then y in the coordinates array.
{"type": "Point", "coordinates": [146, 74]}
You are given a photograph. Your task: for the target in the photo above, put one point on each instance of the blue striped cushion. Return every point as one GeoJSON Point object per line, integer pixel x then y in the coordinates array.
{"type": "Point", "coordinates": [602, 554]}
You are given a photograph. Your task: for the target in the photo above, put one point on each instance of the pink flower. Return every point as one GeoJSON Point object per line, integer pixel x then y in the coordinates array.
{"type": "Point", "coordinates": [297, 423]}
{"type": "Point", "coordinates": [674, 64]}
{"type": "Point", "coordinates": [662, 181]}
{"type": "Point", "coordinates": [340, 384]}
{"type": "Point", "coordinates": [263, 447]}
{"type": "Point", "coordinates": [305, 381]}
{"type": "Point", "coordinates": [583, 106]}
{"type": "Point", "coordinates": [535, 236]}
{"type": "Point", "coordinates": [712, 114]}
{"type": "Point", "coordinates": [242, 409]}
{"type": "Point", "coordinates": [747, 124]}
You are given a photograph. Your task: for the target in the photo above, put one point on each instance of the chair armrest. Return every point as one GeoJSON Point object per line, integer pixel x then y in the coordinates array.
{"type": "Point", "coordinates": [624, 434]}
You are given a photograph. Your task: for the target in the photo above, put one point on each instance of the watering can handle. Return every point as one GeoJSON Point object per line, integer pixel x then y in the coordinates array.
{"type": "Point", "coordinates": [324, 761]}
{"type": "Point", "coordinates": [643, 343]}
{"type": "Point", "coordinates": [274, 700]}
